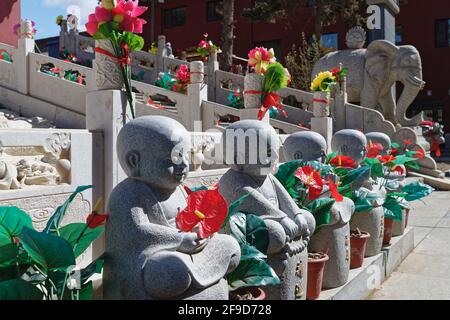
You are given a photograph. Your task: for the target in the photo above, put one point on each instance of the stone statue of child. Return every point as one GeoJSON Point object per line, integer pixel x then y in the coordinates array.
{"type": "Point", "coordinates": [333, 238]}
{"type": "Point", "coordinates": [396, 179]}
{"type": "Point", "coordinates": [251, 149]}
{"type": "Point", "coordinates": [353, 143]}
{"type": "Point", "coordinates": [146, 256]}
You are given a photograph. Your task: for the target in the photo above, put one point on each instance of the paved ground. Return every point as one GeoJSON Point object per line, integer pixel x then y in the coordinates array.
{"type": "Point", "coordinates": [425, 273]}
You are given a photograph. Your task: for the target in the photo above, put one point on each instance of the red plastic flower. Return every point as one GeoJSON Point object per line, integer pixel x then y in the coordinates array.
{"type": "Point", "coordinates": [407, 142]}
{"type": "Point", "coordinates": [334, 191]}
{"type": "Point", "coordinates": [399, 169]}
{"type": "Point", "coordinates": [96, 219]}
{"type": "Point", "coordinates": [387, 159]}
{"type": "Point", "coordinates": [373, 149]}
{"type": "Point", "coordinates": [312, 179]}
{"type": "Point", "coordinates": [419, 154]}
{"type": "Point", "coordinates": [335, 71]}
{"type": "Point", "coordinates": [394, 151]}
{"type": "Point", "coordinates": [206, 209]}
{"type": "Point", "coordinates": [427, 123]}
{"type": "Point", "coordinates": [343, 162]}
{"type": "Point", "coordinates": [183, 74]}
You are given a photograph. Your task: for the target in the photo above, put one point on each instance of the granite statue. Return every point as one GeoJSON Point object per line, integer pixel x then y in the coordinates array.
{"type": "Point", "coordinates": [373, 72]}
{"type": "Point", "coordinates": [251, 149]}
{"type": "Point", "coordinates": [147, 257]}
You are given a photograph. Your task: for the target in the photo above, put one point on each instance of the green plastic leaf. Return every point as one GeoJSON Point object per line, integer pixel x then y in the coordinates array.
{"type": "Point", "coordinates": [416, 191]}
{"type": "Point", "coordinates": [356, 177]}
{"type": "Point", "coordinates": [324, 169]}
{"type": "Point", "coordinates": [8, 255]}
{"type": "Point", "coordinates": [363, 200]}
{"type": "Point", "coordinates": [135, 42]}
{"type": "Point", "coordinates": [395, 145]}
{"type": "Point", "coordinates": [94, 267]}
{"type": "Point", "coordinates": [403, 159]}
{"type": "Point", "coordinates": [250, 252]}
{"type": "Point", "coordinates": [320, 208]}
{"type": "Point", "coordinates": [48, 251]}
{"type": "Point", "coordinates": [249, 229]}
{"type": "Point", "coordinates": [72, 233]}
{"type": "Point", "coordinates": [55, 220]}
{"type": "Point", "coordinates": [19, 289]}
{"type": "Point", "coordinates": [252, 273]}
{"type": "Point", "coordinates": [285, 173]}
{"type": "Point", "coordinates": [12, 220]}
{"type": "Point", "coordinates": [412, 165]}
{"type": "Point", "coordinates": [233, 208]}
{"type": "Point", "coordinates": [87, 291]}
{"type": "Point", "coordinates": [392, 208]}
{"type": "Point", "coordinates": [376, 167]}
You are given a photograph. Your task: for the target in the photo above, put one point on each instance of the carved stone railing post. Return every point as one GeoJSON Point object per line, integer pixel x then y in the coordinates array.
{"type": "Point", "coordinates": [213, 66]}
{"type": "Point", "coordinates": [253, 87]}
{"type": "Point", "coordinates": [106, 69]}
{"type": "Point", "coordinates": [197, 93]}
{"type": "Point", "coordinates": [321, 122]}
{"type": "Point", "coordinates": [25, 47]}
{"type": "Point", "coordinates": [161, 54]}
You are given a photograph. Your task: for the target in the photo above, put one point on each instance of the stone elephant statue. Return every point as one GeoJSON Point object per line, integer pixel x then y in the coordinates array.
{"type": "Point", "coordinates": [372, 73]}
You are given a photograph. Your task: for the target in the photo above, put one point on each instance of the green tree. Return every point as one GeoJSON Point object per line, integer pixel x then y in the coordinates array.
{"type": "Point", "coordinates": [326, 12]}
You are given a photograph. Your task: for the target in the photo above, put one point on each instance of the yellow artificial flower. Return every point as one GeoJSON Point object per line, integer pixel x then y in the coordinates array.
{"type": "Point", "coordinates": [261, 58]}
{"type": "Point", "coordinates": [59, 20]}
{"type": "Point", "coordinates": [318, 82]}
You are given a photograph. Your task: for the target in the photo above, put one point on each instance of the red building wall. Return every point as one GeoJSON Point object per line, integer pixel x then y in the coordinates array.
{"type": "Point", "coordinates": [9, 16]}
{"type": "Point", "coordinates": [417, 19]}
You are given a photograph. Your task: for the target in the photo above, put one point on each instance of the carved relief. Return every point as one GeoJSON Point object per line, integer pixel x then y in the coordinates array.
{"type": "Point", "coordinates": [106, 69]}
{"type": "Point", "coordinates": [39, 217]}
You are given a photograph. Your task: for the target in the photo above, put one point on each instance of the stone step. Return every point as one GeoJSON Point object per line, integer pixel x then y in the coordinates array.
{"type": "Point", "coordinates": [364, 281]}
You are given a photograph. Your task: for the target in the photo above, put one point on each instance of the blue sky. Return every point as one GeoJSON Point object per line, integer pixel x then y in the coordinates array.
{"type": "Point", "coordinates": [44, 13]}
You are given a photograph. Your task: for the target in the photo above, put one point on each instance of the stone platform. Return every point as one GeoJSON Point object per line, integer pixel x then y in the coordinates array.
{"type": "Point", "coordinates": [364, 281]}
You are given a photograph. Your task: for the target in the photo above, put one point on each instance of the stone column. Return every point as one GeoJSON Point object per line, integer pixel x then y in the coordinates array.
{"type": "Point", "coordinates": [321, 122]}
{"type": "Point", "coordinates": [213, 66]}
{"type": "Point", "coordinates": [160, 54]}
{"type": "Point", "coordinates": [25, 47]}
{"type": "Point", "coordinates": [197, 92]}
{"type": "Point", "coordinates": [253, 87]}
{"type": "Point", "coordinates": [104, 114]}
{"type": "Point", "coordinates": [107, 72]}
{"type": "Point", "coordinates": [388, 10]}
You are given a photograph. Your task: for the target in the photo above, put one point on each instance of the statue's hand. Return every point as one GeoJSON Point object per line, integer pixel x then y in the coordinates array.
{"type": "Point", "coordinates": [191, 243]}
{"type": "Point", "coordinates": [302, 224]}
{"type": "Point", "coordinates": [290, 227]}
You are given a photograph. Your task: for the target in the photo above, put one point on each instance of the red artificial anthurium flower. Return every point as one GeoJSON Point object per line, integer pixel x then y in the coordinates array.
{"type": "Point", "coordinates": [343, 162]}
{"type": "Point", "coordinates": [334, 191]}
{"type": "Point", "coordinates": [407, 142]}
{"type": "Point", "coordinates": [96, 219]}
{"type": "Point", "coordinates": [206, 209]}
{"type": "Point", "coordinates": [399, 169]}
{"type": "Point", "coordinates": [312, 179]}
{"type": "Point", "coordinates": [387, 159]}
{"type": "Point", "coordinates": [374, 149]}
{"type": "Point", "coordinates": [419, 154]}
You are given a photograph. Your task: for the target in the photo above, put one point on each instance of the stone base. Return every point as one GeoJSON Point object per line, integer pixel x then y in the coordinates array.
{"type": "Point", "coordinates": [364, 281]}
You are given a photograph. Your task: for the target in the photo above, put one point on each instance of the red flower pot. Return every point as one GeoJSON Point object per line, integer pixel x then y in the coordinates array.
{"type": "Point", "coordinates": [248, 293]}
{"type": "Point", "coordinates": [358, 240]}
{"type": "Point", "coordinates": [388, 223]}
{"type": "Point", "coordinates": [316, 265]}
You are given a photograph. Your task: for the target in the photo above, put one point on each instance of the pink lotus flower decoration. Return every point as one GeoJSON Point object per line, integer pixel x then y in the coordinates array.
{"type": "Point", "coordinates": [260, 58]}
{"type": "Point", "coordinates": [126, 14]}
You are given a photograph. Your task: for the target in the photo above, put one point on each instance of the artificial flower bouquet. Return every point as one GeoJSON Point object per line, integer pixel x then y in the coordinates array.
{"type": "Point", "coordinates": [206, 47]}
{"type": "Point", "coordinates": [119, 22]}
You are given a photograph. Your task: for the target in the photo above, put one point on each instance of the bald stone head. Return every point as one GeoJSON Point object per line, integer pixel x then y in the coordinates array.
{"type": "Point", "coordinates": [350, 143]}
{"type": "Point", "coordinates": [155, 150]}
{"type": "Point", "coordinates": [381, 138]}
{"type": "Point", "coordinates": [251, 147]}
{"type": "Point", "coordinates": [306, 146]}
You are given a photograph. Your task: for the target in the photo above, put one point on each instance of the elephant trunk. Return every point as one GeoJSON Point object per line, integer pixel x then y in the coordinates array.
{"type": "Point", "coordinates": [412, 87]}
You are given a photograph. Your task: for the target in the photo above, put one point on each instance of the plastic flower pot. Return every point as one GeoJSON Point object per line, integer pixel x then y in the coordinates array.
{"type": "Point", "coordinates": [358, 241]}
{"type": "Point", "coordinates": [248, 293]}
{"type": "Point", "coordinates": [388, 223]}
{"type": "Point", "coordinates": [316, 265]}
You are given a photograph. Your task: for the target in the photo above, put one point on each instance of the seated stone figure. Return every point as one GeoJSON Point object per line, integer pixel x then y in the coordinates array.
{"type": "Point", "coordinates": [8, 176]}
{"type": "Point", "coordinates": [385, 141]}
{"type": "Point", "coordinates": [306, 146]}
{"type": "Point", "coordinates": [251, 149]}
{"type": "Point", "coordinates": [334, 238]}
{"type": "Point", "coordinates": [147, 257]}
{"type": "Point", "coordinates": [353, 143]}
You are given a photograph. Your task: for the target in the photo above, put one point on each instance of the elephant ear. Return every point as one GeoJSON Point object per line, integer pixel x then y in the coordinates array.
{"type": "Point", "coordinates": [379, 55]}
